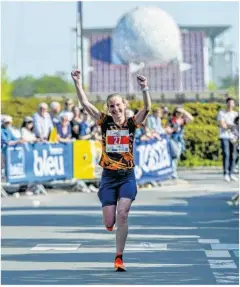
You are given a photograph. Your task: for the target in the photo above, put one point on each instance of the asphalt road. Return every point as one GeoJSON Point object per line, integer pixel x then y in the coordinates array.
{"type": "Point", "coordinates": [179, 234]}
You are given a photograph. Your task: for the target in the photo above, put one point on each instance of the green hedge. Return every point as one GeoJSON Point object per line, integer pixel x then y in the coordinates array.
{"type": "Point", "coordinates": [201, 135]}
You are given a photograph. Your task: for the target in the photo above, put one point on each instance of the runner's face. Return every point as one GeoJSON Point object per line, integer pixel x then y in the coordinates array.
{"type": "Point", "coordinates": [116, 107]}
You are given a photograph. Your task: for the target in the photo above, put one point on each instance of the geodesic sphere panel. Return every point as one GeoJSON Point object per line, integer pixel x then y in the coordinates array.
{"type": "Point", "coordinates": [146, 34]}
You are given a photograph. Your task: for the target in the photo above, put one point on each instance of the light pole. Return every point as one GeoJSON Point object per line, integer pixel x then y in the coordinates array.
{"type": "Point", "coordinates": [76, 64]}
{"type": "Point", "coordinates": [79, 32]}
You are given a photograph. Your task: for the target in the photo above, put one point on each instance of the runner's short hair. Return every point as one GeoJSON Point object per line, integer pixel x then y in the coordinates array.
{"type": "Point", "coordinates": [114, 95]}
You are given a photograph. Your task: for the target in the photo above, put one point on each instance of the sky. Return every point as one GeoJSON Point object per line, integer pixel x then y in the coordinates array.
{"type": "Point", "coordinates": [36, 37]}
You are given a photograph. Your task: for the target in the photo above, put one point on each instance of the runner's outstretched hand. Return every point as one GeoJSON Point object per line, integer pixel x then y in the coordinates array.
{"type": "Point", "coordinates": [77, 76]}
{"type": "Point", "coordinates": [142, 81]}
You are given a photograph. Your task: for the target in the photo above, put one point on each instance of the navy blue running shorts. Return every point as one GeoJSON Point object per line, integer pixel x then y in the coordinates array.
{"type": "Point", "coordinates": [116, 184]}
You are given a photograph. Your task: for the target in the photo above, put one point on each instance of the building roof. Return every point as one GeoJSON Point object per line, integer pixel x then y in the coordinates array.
{"type": "Point", "coordinates": [210, 31]}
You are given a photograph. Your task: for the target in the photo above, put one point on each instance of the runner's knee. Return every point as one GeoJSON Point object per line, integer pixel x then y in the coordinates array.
{"type": "Point", "coordinates": [122, 216]}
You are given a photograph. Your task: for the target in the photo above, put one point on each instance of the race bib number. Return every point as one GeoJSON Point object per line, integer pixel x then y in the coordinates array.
{"type": "Point", "coordinates": [117, 141]}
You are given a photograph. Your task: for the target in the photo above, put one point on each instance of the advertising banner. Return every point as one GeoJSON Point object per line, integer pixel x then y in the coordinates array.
{"type": "Point", "coordinates": [86, 156]}
{"type": "Point", "coordinates": [39, 162]}
{"type": "Point", "coordinates": [153, 161]}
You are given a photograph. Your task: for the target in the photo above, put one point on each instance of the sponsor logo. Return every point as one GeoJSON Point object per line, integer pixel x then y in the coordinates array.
{"type": "Point", "coordinates": [153, 158]}
{"type": "Point", "coordinates": [47, 165]}
{"type": "Point", "coordinates": [16, 162]}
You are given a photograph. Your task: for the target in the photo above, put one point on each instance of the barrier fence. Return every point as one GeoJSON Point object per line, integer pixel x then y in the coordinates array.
{"type": "Point", "coordinates": [46, 162]}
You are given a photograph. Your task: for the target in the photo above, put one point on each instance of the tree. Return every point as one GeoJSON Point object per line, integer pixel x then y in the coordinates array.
{"type": "Point", "coordinates": [53, 84]}
{"type": "Point", "coordinates": [227, 82]}
{"type": "Point", "coordinates": [24, 86]}
{"type": "Point", "coordinates": [28, 86]}
{"type": "Point", "coordinates": [6, 86]}
{"type": "Point", "coordinates": [211, 86]}
{"type": "Point", "coordinates": [232, 85]}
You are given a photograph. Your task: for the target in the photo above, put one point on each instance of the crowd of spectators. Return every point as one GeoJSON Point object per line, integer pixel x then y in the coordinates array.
{"type": "Point", "coordinates": [69, 124]}
{"type": "Point", "coordinates": [73, 123]}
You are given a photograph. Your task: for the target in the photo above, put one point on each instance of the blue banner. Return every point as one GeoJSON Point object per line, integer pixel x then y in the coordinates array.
{"type": "Point", "coordinates": [153, 160]}
{"type": "Point", "coordinates": [29, 163]}
{"type": "Point", "coordinates": [43, 162]}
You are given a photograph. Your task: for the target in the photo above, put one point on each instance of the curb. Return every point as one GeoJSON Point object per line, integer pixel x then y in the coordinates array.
{"type": "Point", "coordinates": [172, 182]}
{"type": "Point", "coordinates": [182, 168]}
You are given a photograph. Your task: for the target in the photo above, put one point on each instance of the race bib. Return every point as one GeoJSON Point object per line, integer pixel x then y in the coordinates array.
{"type": "Point", "coordinates": [117, 141]}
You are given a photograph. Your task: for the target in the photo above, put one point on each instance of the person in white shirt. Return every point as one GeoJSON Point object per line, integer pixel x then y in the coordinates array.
{"type": "Point", "coordinates": [55, 108]}
{"type": "Point", "coordinates": [226, 127]}
{"type": "Point", "coordinates": [42, 122]}
{"type": "Point", "coordinates": [68, 105]}
{"type": "Point", "coordinates": [27, 130]}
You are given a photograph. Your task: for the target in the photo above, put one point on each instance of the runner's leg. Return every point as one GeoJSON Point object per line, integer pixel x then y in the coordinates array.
{"type": "Point", "coordinates": [109, 216]}
{"type": "Point", "coordinates": [122, 224]}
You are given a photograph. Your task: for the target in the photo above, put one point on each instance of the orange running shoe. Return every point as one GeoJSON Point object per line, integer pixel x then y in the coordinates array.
{"type": "Point", "coordinates": [118, 264]}
{"type": "Point", "coordinates": [110, 228]}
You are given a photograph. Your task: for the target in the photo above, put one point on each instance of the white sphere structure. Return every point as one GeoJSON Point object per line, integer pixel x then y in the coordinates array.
{"type": "Point", "coordinates": [146, 34]}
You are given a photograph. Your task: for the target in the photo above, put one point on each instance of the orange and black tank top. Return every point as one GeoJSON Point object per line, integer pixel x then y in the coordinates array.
{"type": "Point", "coordinates": [117, 143]}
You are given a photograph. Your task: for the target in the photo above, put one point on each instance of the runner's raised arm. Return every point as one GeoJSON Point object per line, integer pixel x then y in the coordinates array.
{"type": "Point", "coordinates": [91, 109]}
{"type": "Point", "coordinates": [142, 114]}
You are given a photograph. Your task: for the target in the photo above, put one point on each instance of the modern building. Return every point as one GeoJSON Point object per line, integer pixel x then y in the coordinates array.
{"type": "Point", "coordinates": [198, 45]}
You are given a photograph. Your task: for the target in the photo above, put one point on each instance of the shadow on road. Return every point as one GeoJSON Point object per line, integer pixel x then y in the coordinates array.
{"type": "Point", "coordinates": [203, 217]}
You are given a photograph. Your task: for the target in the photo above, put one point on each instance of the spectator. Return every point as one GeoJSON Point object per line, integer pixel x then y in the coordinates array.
{"type": "Point", "coordinates": [236, 133]}
{"type": "Point", "coordinates": [164, 115]}
{"type": "Point", "coordinates": [54, 113]}
{"type": "Point", "coordinates": [143, 133]}
{"type": "Point", "coordinates": [175, 127]}
{"type": "Point", "coordinates": [77, 118]}
{"type": "Point", "coordinates": [154, 122]}
{"type": "Point", "coordinates": [64, 133]}
{"type": "Point", "coordinates": [129, 113]}
{"type": "Point", "coordinates": [96, 133]}
{"type": "Point", "coordinates": [226, 134]}
{"type": "Point", "coordinates": [235, 198]}
{"type": "Point", "coordinates": [236, 129]}
{"type": "Point", "coordinates": [84, 127]}
{"type": "Point", "coordinates": [165, 112]}
{"type": "Point", "coordinates": [90, 120]}
{"type": "Point", "coordinates": [27, 130]}
{"type": "Point", "coordinates": [7, 139]}
{"type": "Point", "coordinates": [7, 136]}
{"type": "Point", "coordinates": [15, 132]}
{"type": "Point", "coordinates": [3, 117]}
{"type": "Point", "coordinates": [42, 122]}
{"type": "Point", "coordinates": [68, 105]}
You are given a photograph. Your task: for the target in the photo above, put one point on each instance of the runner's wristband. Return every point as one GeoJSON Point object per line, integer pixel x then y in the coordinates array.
{"type": "Point", "coordinates": [145, 89]}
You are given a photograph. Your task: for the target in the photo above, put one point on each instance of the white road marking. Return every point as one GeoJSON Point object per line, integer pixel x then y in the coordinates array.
{"type": "Point", "coordinates": [86, 212]}
{"type": "Point", "coordinates": [217, 253]}
{"type": "Point", "coordinates": [13, 265]}
{"type": "Point", "coordinates": [224, 246]}
{"type": "Point", "coordinates": [222, 264]}
{"type": "Point", "coordinates": [63, 247]}
{"type": "Point", "coordinates": [208, 241]}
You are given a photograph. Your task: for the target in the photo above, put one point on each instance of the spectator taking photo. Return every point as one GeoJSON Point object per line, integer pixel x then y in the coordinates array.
{"type": "Point", "coordinates": [175, 128]}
